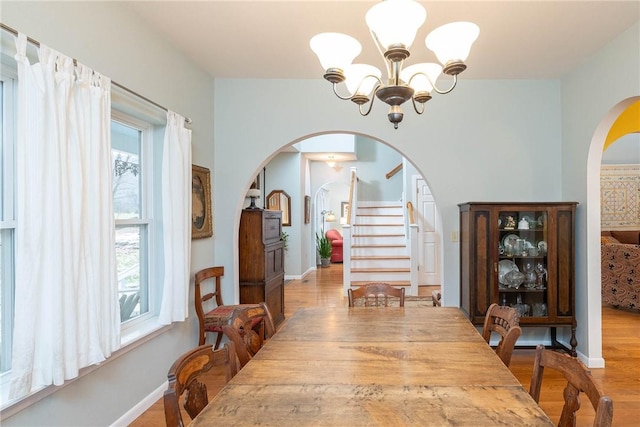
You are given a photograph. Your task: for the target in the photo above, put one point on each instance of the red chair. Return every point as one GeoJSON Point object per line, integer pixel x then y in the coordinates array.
{"type": "Point", "coordinates": [335, 238]}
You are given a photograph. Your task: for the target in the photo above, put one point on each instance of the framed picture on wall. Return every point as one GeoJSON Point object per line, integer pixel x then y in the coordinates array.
{"type": "Point", "coordinates": [201, 216]}
{"type": "Point", "coordinates": [344, 208]}
{"type": "Point", "coordinates": [307, 209]}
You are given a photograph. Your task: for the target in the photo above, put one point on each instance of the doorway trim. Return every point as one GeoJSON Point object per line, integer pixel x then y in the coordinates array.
{"type": "Point", "coordinates": [594, 297]}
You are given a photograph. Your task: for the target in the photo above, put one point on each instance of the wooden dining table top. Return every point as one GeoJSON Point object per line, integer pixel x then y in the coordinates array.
{"type": "Point", "coordinates": [363, 366]}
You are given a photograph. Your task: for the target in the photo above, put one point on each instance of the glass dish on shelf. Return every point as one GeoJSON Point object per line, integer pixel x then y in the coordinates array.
{"type": "Point", "coordinates": [510, 242]}
{"type": "Point", "coordinates": [504, 267]}
{"type": "Point", "coordinates": [542, 247]}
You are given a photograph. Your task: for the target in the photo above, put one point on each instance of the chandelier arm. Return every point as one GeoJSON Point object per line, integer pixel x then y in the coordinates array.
{"type": "Point", "coordinates": [365, 78]}
{"type": "Point", "coordinates": [443, 92]}
{"type": "Point", "coordinates": [415, 106]}
{"type": "Point", "coordinates": [373, 98]}
{"type": "Point", "coordinates": [335, 91]}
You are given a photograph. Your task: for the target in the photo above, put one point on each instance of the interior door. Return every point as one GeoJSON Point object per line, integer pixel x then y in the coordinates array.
{"type": "Point", "coordinates": [428, 240]}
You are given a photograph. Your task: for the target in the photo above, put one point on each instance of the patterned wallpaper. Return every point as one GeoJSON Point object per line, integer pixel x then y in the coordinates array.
{"type": "Point", "coordinates": [620, 197]}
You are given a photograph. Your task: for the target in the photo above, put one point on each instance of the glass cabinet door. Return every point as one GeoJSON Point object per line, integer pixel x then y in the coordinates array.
{"type": "Point", "coordinates": [522, 266]}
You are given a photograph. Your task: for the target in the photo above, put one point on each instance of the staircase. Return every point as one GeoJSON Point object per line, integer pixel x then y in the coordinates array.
{"type": "Point", "coordinates": [379, 251]}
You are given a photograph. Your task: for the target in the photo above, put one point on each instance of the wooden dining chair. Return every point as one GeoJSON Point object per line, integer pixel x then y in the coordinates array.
{"type": "Point", "coordinates": [375, 294]}
{"type": "Point", "coordinates": [212, 320]}
{"type": "Point", "coordinates": [579, 380]}
{"type": "Point", "coordinates": [248, 338]}
{"type": "Point", "coordinates": [184, 378]}
{"type": "Point", "coordinates": [506, 322]}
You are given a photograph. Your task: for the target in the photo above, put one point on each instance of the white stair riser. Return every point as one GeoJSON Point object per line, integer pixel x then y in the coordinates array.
{"type": "Point", "coordinates": [380, 263]}
{"type": "Point", "coordinates": [378, 240]}
{"type": "Point", "coordinates": [384, 251]}
{"type": "Point", "coordinates": [379, 211]}
{"type": "Point", "coordinates": [379, 229]}
{"type": "Point", "coordinates": [396, 203]}
{"type": "Point", "coordinates": [396, 220]}
{"type": "Point", "coordinates": [379, 277]}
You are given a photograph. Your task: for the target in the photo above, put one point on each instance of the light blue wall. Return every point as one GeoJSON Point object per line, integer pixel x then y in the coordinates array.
{"type": "Point", "coordinates": [624, 151]}
{"type": "Point", "coordinates": [588, 94]}
{"type": "Point", "coordinates": [284, 173]}
{"type": "Point", "coordinates": [108, 38]}
{"type": "Point", "coordinates": [375, 160]}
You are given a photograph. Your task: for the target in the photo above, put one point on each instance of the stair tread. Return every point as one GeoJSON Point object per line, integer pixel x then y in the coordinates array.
{"type": "Point", "coordinates": [380, 270]}
{"type": "Point", "coordinates": [379, 215]}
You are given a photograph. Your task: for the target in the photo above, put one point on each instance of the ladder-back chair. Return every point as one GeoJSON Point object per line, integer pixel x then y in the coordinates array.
{"type": "Point", "coordinates": [375, 295]}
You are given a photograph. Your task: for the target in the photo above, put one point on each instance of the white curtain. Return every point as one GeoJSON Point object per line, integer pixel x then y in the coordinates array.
{"type": "Point", "coordinates": [176, 219]}
{"type": "Point", "coordinates": [66, 302]}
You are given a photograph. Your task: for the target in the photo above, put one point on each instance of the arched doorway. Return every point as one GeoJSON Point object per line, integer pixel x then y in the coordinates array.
{"type": "Point", "coordinates": [622, 119]}
{"type": "Point", "coordinates": [305, 238]}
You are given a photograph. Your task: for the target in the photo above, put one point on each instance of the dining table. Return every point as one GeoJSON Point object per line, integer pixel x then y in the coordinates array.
{"type": "Point", "coordinates": [374, 366]}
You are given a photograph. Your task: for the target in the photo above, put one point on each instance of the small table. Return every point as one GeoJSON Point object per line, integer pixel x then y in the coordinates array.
{"type": "Point", "coordinates": [366, 366]}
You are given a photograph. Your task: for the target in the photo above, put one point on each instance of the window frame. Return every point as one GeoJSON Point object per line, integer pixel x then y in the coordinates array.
{"type": "Point", "coordinates": [8, 83]}
{"type": "Point", "coordinates": [148, 270]}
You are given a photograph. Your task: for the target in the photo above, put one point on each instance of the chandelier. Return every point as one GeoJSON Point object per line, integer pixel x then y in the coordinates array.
{"type": "Point", "coordinates": [393, 25]}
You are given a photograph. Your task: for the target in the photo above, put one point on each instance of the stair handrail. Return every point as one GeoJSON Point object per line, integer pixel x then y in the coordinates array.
{"type": "Point", "coordinates": [394, 171]}
{"type": "Point", "coordinates": [410, 211]}
{"type": "Point", "coordinates": [347, 232]}
{"type": "Point", "coordinates": [412, 237]}
{"type": "Point", "coordinates": [352, 190]}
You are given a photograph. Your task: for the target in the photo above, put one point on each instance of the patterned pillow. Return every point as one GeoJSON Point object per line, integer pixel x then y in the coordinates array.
{"type": "Point", "coordinates": [605, 240]}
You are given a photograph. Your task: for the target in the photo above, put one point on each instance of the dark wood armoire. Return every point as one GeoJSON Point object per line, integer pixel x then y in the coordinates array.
{"type": "Point", "coordinates": [262, 260]}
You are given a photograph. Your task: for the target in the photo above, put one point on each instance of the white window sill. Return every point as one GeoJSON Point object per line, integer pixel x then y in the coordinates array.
{"type": "Point", "coordinates": [131, 338]}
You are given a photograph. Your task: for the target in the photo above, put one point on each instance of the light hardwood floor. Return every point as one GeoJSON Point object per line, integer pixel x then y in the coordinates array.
{"type": "Point", "coordinates": [621, 350]}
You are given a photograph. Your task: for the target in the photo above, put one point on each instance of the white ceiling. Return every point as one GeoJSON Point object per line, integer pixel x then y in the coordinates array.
{"type": "Point", "coordinates": [270, 39]}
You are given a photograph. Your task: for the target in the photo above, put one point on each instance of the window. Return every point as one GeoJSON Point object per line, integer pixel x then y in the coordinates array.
{"type": "Point", "coordinates": [132, 188]}
{"type": "Point", "coordinates": [7, 219]}
{"type": "Point", "coordinates": [133, 160]}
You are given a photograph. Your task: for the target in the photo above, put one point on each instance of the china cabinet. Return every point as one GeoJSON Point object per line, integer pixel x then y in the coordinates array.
{"type": "Point", "coordinates": [520, 255]}
{"type": "Point", "coordinates": [262, 260]}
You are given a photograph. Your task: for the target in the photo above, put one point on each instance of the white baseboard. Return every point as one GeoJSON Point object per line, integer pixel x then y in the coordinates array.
{"type": "Point", "coordinates": [141, 407]}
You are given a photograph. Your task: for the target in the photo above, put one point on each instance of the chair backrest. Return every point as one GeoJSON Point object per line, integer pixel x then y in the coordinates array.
{"type": "Point", "coordinates": [241, 330]}
{"type": "Point", "coordinates": [183, 377]}
{"type": "Point", "coordinates": [506, 322]}
{"type": "Point", "coordinates": [578, 380]}
{"type": "Point", "coordinates": [376, 294]}
{"type": "Point", "coordinates": [199, 300]}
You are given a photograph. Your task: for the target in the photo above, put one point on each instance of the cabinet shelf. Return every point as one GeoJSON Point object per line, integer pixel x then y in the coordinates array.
{"type": "Point", "coordinates": [482, 235]}
{"type": "Point", "coordinates": [540, 257]}
{"type": "Point", "coordinates": [523, 290]}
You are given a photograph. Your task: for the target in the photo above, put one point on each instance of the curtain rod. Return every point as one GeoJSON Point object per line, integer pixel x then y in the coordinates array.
{"type": "Point", "coordinates": [36, 43]}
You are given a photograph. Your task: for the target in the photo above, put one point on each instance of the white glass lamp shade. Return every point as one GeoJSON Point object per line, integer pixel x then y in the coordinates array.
{"type": "Point", "coordinates": [420, 82]}
{"type": "Point", "coordinates": [396, 21]}
{"type": "Point", "coordinates": [452, 42]}
{"type": "Point", "coordinates": [359, 78]}
{"type": "Point", "coordinates": [331, 217]}
{"type": "Point", "coordinates": [253, 192]}
{"type": "Point", "coordinates": [335, 50]}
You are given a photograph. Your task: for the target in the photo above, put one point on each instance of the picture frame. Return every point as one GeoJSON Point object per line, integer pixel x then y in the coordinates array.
{"type": "Point", "coordinates": [344, 209]}
{"type": "Point", "coordinates": [201, 216]}
{"type": "Point", "coordinates": [307, 209]}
